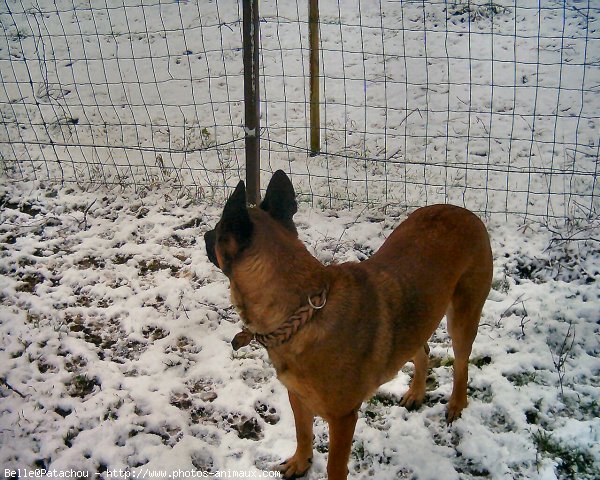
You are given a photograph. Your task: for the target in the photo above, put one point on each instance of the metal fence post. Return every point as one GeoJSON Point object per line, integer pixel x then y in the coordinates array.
{"type": "Point", "coordinates": [313, 36]}
{"type": "Point", "coordinates": [251, 99]}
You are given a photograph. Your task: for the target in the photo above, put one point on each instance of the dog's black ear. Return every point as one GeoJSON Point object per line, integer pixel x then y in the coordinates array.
{"type": "Point", "coordinates": [280, 200]}
{"type": "Point", "coordinates": [235, 220]}
{"type": "Point", "coordinates": [235, 230]}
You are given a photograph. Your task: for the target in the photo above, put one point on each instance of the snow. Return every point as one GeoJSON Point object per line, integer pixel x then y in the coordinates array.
{"type": "Point", "coordinates": [116, 332]}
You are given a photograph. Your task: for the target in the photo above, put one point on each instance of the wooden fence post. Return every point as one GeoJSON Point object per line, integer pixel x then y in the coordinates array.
{"type": "Point", "coordinates": [250, 34]}
{"type": "Point", "coordinates": [313, 40]}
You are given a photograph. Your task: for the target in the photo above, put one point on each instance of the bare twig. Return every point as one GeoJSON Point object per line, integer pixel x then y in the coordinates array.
{"type": "Point", "coordinates": [337, 246]}
{"type": "Point", "coordinates": [510, 311]}
{"type": "Point", "coordinates": [559, 359]}
{"type": "Point", "coordinates": [85, 213]}
{"type": "Point", "coordinates": [182, 306]}
{"type": "Point", "coordinates": [11, 388]}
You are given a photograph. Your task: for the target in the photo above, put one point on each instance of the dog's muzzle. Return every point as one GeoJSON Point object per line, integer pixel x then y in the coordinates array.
{"type": "Point", "coordinates": [210, 240]}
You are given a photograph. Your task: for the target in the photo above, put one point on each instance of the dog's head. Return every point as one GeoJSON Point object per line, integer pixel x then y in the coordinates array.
{"type": "Point", "coordinates": [255, 247]}
{"type": "Point", "coordinates": [270, 271]}
{"type": "Point", "coordinates": [234, 233]}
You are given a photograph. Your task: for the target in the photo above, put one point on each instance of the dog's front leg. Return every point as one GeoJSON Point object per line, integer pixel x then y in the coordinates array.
{"type": "Point", "coordinates": [298, 465]}
{"type": "Point", "coordinates": [341, 431]}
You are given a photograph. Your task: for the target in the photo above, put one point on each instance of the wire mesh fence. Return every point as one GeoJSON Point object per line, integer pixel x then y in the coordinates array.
{"type": "Point", "coordinates": [490, 105]}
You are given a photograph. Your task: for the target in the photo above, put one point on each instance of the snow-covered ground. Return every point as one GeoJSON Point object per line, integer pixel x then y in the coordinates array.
{"type": "Point", "coordinates": [115, 354]}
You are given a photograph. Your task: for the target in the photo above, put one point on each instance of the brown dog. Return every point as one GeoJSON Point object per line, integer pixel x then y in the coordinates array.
{"type": "Point", "coordinates": [336, 333]}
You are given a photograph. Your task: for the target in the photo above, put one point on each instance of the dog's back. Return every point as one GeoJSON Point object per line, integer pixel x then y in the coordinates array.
{"type": "Point", "coordinates": [430, 255]}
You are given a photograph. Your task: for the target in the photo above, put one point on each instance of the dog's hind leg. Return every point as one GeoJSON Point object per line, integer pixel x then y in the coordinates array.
{"type": "Point", "coordinates": [415, 395]}
{"type": "Point", "coordinates": [463, 319]}
{"type": "Point", "coordinates": [298, 465]}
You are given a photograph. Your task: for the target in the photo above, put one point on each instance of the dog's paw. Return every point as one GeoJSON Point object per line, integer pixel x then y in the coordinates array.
{"type": "Point", "coordinates": [294, 467]}
{"type": "Point", "coordinates": [413, 399]}
{"type": "Point", "coordinates": [455, 408]}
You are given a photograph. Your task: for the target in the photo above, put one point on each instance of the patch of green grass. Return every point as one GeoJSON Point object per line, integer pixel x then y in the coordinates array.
{"type": "Point", "coordinates": [384, 400]}
{"type": "Point", "coordinates": [90, 262]}
{"type": "Point", "coordinates": [70, 436]}
{"type": "Point", "coordinates": [436, 362]}
{"type": "Point", "coordinates": [358, 452]}
{"type": "Point", "coordinates": [29, 281]}
{"type": "Point", "coordinates": [481, 361]}
{"type": "Point", "coordinates": [522, 378]}
{"type": "Point", "coordinates": [572, 462]}
{"type": "Point", "coordinates": [81, 386]}
{"type": "Point", "coordinates": [154, 265]}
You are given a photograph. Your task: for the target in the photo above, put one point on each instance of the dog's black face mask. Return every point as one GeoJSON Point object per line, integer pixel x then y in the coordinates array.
{"type": "Point", "coordinates": [235, 226]}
